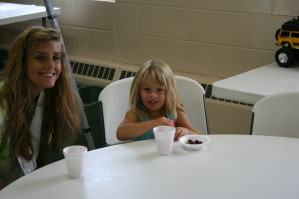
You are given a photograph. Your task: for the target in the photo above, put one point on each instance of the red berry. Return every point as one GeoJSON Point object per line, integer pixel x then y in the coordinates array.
{"type": "Point", "coordinates": [190, 141]}
{"type": "Point", "coordinates": [198, 142]}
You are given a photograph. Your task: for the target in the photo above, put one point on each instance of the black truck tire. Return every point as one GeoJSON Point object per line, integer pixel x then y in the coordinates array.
{"type": "Point", "coordinates": [285, 57]}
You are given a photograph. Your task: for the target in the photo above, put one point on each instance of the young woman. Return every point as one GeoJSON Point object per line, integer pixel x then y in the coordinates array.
{"type": "Point", "coordinates": [153, 102]}
{"type": "Point", "coordinates": [39, 112]}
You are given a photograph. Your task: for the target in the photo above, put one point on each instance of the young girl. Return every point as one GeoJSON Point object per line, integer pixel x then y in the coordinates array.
{"type": "Point", "coordinates": [39, 112]}
{"type": "Point", "coordinates": [153, 102]}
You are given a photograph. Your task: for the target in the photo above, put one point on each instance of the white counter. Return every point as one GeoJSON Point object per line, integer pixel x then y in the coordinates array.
{"type": "Point", "coordinates": [251, 86]}
{"type": "Point", "coordinates": [12, 13]}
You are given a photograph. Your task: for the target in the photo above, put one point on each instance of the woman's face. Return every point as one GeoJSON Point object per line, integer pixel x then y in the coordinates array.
{"type": "Point", "coordinates": [44, 64]}
{"type": "Point", "coordinates": [152, 94]}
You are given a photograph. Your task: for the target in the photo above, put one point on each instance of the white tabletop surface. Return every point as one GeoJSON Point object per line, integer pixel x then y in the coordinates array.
{"type": "Point", "coordinates": [12, 13]}
{"type": "Point", "coordinates": [251, 86]}
{"type": "Point", "coordinates": [231, 167]}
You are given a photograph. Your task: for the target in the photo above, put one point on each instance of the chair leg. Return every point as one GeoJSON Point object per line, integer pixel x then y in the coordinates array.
{"type": "Point", "coordinates": [102, 126]}
{"type": "Point", "coordinates": [251, 124]}
{"type": "Point", "coordinates": [206, 115]}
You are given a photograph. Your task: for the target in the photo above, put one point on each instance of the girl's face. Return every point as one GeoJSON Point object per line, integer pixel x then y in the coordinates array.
{"type": "Point", "coordinates": [152, 94]}
{"type": "Point", "coordinates": [44, 64]}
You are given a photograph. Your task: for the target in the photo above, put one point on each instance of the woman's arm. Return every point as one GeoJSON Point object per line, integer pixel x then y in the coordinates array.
{"type": "Point", "coordinates": [183, 125]}
{"type": "Point", "coordinates": [131, 128]}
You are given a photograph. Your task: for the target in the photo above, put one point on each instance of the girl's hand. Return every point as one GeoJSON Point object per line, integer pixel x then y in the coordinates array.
{"type": "Point", "coordinates": [163, 121]}
{"type": "Point", "coordinates": [181, 131]}
{"type": "Point", "coordinates": [172, 122]}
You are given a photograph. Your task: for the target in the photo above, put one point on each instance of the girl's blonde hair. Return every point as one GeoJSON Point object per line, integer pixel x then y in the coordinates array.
{"type": "Point", "coordinates": [60, 122]}
{"type": "Point", "coordinates": [163, 75]}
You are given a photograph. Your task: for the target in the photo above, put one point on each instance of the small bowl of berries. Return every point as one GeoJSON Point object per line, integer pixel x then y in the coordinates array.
{"type": "Point", "coordinates": [194, 142]}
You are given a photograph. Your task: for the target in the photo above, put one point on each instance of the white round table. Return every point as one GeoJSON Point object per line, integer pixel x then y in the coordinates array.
{"type": "Point", "coordinates": [231, 167]}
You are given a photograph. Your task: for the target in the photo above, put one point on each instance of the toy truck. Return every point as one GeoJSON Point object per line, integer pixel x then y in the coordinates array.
{"type": "Point", "coordinates": [288, 38]}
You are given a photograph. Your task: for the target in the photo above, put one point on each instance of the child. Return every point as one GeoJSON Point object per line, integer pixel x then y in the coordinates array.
{"type": "Point", "coordinates": [39, 112]}
{"type": "Point", "coordinates": [153, 102]}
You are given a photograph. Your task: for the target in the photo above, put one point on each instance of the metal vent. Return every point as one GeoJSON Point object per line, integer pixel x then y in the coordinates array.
{"type": "Point", "coordinates": [125, 74]}
{"type": "Point", "coordinates": [230, 101]}
{"type": "Point", "coordinates": [208, 89]}
{"type": "Point", "coordinates": [95, 71]}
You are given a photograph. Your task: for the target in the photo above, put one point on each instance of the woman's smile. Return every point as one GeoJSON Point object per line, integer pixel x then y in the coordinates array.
{"type": "Point", "coordinates": [48, 74]}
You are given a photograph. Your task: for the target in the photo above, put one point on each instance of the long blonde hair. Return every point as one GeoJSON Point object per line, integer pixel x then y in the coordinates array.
{"type": "Point", "coordinates": [163, 75]}
{"type": "Point", "coordinates": [60, 121]}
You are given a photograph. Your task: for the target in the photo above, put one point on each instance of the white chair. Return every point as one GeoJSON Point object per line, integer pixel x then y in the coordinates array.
{"type": "Point", "coordinates": [114, 102]}
{"type": "Point", "coordinates": [277, 115]}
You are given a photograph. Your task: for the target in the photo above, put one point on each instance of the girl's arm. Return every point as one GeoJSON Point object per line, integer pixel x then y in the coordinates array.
{"type": "Point", "coordinates": [131, 128]}
{"type": "Point", "coordinates": [183, 125]}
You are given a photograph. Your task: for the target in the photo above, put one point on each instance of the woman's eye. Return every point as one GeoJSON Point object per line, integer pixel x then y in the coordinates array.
{"type": "Point", "coordinates": [146, 89]}
{"type": "Point", "coordinates": [40, 57]}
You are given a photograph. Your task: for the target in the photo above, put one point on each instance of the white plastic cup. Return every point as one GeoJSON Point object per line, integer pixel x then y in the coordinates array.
{"type": "Point", "coordinates": [164, 136]}
{"type": "Point", "coordinates": [74, 157]}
